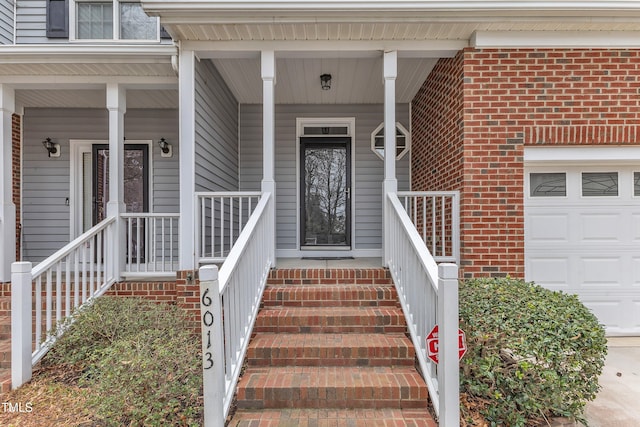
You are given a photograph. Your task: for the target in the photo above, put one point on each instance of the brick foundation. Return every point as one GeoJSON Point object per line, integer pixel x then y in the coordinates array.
{"type": "Point", "coordinates": [476, 112]}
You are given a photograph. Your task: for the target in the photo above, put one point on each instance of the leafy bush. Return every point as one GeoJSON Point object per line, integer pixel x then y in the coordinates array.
{"type": "Point", "coordinates": [139, 359]}
{"type": "Point", "coordinates": [532, 353]}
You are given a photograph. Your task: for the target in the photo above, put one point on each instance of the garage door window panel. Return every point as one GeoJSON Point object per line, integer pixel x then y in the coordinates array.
{"type": "Point", "coordinates": [600, 184]}
{"type": "Point", "coordinates": [636, 184]}
{"type": "Point", "coordinates": [548, 184]}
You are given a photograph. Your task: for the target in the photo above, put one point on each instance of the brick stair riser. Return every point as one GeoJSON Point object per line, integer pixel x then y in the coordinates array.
{"type": "Point", "coordinates": [334, 417]}
{"type": "Point", "coordinates": [339, 388]}
{"type": "Point", "coordinates": [329, 277]}
{"type": "Point", "coordinates": [328, 350]}
{"type": "Point", "coordinates": [334, 296]}
{"type": "Point", "coordinates": [339, 324]}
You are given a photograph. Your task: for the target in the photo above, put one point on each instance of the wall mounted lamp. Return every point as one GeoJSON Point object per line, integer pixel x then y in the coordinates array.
{"type": "Point", "coordinates": [325, 81]}
{"type": "Point", "coordinates": [52, 148]}
{"type": "Point", "coordinates": [166, 150]}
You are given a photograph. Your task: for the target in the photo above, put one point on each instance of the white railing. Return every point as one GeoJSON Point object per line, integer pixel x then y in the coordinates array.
{"type": "Point", "coordinates": [436, 216]}
{"type": "Point", "coordinates": [221, 218]}
{"type": "Point", "coordinates": [151, 244]}
{"type": "Point", "coordinates": [77, 273]}
{"type": "Point", "coordinates": [428, 294]}
{"type": "Point", "coordinates": [241, 282]}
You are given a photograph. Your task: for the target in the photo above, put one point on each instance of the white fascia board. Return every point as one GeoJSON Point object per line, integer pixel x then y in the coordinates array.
{"type": "Point", "coordinates": [328, 49]}
{"type": "Point", "coordinates": [555, 39]}
{"type": "Point", "coordinates": [227, 11]}
{"type": "Point", "coordinates": [89, 82]}
{"type": "Point", "coordinates": [48, 53]}
{"type": "Point", "coordinates": [572, 155]}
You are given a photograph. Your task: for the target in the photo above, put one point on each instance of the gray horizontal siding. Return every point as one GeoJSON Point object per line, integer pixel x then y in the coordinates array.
{"type": "Point", "coordinates": [369, 172]}
{"type": "Point", "coordinates": [31, 22]}
{"type": "Point", "coordinates": [216, 129]}
{"type": "Point", "coordinates": [46, 181]}
{"type": "Point", "coordinates": [6, 22]}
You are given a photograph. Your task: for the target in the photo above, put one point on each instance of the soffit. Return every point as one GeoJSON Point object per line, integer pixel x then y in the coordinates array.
{"type": "Point", "coordinates": [406, 30]}
{"type": "Point", "coordinates": [95, 98]}
{"type": "Point", "coordinates": [354, 80]}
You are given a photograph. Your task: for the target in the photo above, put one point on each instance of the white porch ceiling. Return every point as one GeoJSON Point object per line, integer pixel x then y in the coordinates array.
{"type": "Point", "coordinates": [95, 98]}
{"type": "Point", "coordinates": [354, 80]}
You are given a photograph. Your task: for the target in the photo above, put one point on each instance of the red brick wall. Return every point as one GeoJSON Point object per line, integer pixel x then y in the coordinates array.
{"type": "Point", "coordinates": [437, 131]}
{"type": "Point", "coordinates": [513, 98]}
{"type": "Point", "coordinates": [15, 137]}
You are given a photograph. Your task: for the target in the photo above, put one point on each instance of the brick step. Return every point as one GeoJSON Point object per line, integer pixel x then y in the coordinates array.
{"type": "Point", "coordinates": [5, 354]}
{"type": "Point", "coordinates": [333, 417]}
{"type": "Point", "coordinates": [330, 295]}
{"type": "Point", "coordinates": [5, 306]}
{"type": "Point", "coordinates": [5, 380]}
{"type": "Point", "coordinates": [5, 327]}
{"type": "Point", "coordinates": [331, 387]}
{"type": "Point", "coordinates": [321, 276]}
{"type": "Point", "coordinates": [330, 320]}
{"type": "Point", "coordinates": [331, 350]}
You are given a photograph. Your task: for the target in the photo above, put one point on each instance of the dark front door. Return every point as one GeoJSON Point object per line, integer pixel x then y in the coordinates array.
{"type": "Point", "coordinates": [136, 188]}
{"type": "Point", "coordinates": [325, 192]}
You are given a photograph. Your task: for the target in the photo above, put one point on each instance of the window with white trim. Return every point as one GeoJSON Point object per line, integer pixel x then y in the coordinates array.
{"type": "Point", "coordinates": [402, 141]}
{"type": "Point", "coordinates": [114, 20]}
{"type": "Point", "coordinates": [548, 184]}
{"type": "Point", "coordinates": [599, 184]}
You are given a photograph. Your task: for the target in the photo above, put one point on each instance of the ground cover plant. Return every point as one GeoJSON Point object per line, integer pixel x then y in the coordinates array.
{"type": "Point", "coordinates": [133, 362]}
{"type": "Point", "coordinates": [532, 353]}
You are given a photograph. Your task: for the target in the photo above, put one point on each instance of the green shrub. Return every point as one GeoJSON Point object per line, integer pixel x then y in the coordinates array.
{"type": "Point", "coordinates": [532, 353]}
{"type": "Point", "coordinates": [139, 360]}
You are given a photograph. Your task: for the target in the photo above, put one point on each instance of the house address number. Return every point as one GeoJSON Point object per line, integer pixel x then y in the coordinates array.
{"type": "Point", "coordinates": [207, 323]}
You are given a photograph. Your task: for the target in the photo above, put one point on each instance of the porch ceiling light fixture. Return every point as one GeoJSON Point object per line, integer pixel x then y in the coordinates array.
{"type": "Point", "coordinates": [166, 150]}
{"type": "Point", "coordinates": [53, 148]}
{"type": "Point", "coordinates": [325, 81]}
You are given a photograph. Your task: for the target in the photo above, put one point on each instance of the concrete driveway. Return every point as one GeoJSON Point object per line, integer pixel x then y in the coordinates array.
{"type": "Point", "coordinates": [618, 402]}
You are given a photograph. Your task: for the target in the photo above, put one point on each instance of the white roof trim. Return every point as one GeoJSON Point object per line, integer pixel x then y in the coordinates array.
{"type": "Point", "coordinates": [46, 53]}
{"type": "Point", "coordinates": [554, 39]}
{"type": "Point", "coordinates": [328, 49]}
{"type": "Point", "coordinates": [559, 155]}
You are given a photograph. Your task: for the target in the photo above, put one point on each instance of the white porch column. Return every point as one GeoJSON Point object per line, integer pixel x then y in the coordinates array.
{"type": "Point", "coordinates": [117, 106]}
{"type": "Point", "coordinates": [390, 185]}
{"type": "Point", "coordinates": [7, 208]}
{"type": "Point", "coordinates": [187, 221]}
{"type": "Point", "coordinates": [390, 74]}
{"type": "Point", "coordinates": [268, 66]}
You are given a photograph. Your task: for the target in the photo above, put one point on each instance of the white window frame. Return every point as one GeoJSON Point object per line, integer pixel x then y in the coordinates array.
{"type": "Point", "coordinates": [115, 30]}
{"type": "Point", "coordinates": [402, 129]}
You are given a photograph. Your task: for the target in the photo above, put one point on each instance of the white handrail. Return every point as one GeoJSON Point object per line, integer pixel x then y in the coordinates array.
{"type": "Point", "coordinates": [221, 218]}
{"type": "Point", "coordinates": [428, 294]}
{"type": "Point", "coordinates": [436, 214]}
{"type": "Point", "coordinates": [241, 282]}
{"type": "Point", "coordinates": [151, 244]}
{"type": "Point", "coordinates": [80, 271]}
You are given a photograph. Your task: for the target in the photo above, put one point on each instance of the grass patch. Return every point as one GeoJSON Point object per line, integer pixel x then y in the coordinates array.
{"type": "Point", "coordinates": [124, 361]}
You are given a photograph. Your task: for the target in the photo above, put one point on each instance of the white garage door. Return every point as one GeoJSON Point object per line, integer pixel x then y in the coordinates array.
{"type": "Point", "coordinates": [582, 236]}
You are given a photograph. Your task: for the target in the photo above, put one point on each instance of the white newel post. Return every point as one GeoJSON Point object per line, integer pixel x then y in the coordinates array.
{"type": "Point", "coordinates": [21, 313]}
{"type": "Point", "coordinates": [7, 208]}
{"type": "Point", "coordinates": [188, 221]}
{"type": "Point", "coordinates": [212, 347]}
{"type": "Point", "coordinates": [390, 185]}
{"type": "Point", "coordinates": [448, 365]}
{"type": "Point", "coordinates": [117, 106]}
{"type": "Point", "coordinates": [268, 72]}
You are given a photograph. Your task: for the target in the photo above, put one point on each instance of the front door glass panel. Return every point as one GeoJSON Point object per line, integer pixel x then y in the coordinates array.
{"type": "Point", "coordinates": [325, 192]}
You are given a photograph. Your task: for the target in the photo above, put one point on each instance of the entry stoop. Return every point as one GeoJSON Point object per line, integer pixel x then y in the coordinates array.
{"type": "Point", "coordinates": [330, 348]}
